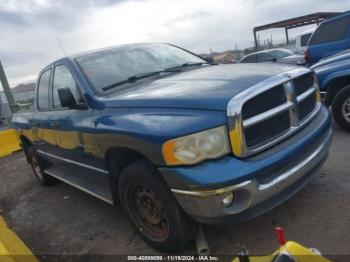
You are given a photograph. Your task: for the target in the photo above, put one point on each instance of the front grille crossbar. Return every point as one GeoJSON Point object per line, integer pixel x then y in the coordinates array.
{"type": "Point", "coordinates": [305, 95]}
{"type": "Point", "coordinates": [266, 115]}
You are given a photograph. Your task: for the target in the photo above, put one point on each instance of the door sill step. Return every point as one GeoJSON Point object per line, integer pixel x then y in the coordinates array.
{"type": "Point", "coordinates": [91, 187]}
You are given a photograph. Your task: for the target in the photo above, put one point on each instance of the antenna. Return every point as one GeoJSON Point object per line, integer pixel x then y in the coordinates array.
{"type": "Point", "coordinates": [60, 44]}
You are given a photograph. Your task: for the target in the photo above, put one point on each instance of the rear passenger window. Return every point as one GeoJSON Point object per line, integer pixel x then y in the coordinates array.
{"type": "Point", "coordinates": [331, 31]}
{"type": "Point", "coordinates": [43, 90]}
{"type": "Point", "coordinates": [62, 79]}
{"type": "Point", "coordinates": [250, 59]}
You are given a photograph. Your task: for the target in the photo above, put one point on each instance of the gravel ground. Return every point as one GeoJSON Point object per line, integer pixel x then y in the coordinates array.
{"type": "Point", "coordinates": [61, 221]}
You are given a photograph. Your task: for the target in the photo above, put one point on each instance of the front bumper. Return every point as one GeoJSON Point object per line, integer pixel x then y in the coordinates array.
{"type": "Point", "coordinates": [264, 181]}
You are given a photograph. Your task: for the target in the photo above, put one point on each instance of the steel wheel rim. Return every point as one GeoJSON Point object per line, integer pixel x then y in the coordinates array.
{"type": "Point", "coordinates": [148, 212]}
{"type": "Point", "coordinates": [346, 110]}
{"type": "Point", "coordinates": [36, 168]}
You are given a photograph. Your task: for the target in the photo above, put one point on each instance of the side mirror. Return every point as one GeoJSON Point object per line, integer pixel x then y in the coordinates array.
{"type": "Point", "coordinates": [66, 97]}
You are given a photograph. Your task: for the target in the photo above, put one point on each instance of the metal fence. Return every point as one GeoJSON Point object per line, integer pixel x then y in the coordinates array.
{"type": "Point", "coordinates": [24, 101]}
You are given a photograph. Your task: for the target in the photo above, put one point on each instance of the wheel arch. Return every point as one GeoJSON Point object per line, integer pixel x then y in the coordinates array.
{"type": "Point", "coordinates": [25, 144]}
{"type": "Point", "coordinates": [335, 84]}
{"type": "Point", "coordinates": [118, 158]}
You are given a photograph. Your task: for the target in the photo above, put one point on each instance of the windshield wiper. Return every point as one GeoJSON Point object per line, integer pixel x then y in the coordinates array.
{"type": "Point", "coordinates": [187, 64]}
{"type": "Point", "coordinates": [194, 64]}
{"type": "Point", "coordinates": [137, 77]}
{"type": "Point", "coordinates": [140, 76]}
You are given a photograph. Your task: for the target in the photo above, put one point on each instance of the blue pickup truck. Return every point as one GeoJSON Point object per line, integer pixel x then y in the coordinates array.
{"type": "Point", "coordinates": [333, 74]}
{"type": "Point", "coordinates": [330, 37]}
{"type": "Point", "coordinates": [173, 139]}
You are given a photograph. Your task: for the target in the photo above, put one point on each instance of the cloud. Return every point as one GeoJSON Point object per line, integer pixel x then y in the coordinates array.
{"type": "Point", "coordinates": [30, 28]}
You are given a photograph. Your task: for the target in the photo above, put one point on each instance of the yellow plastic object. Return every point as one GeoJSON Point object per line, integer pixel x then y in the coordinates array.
{"type": "Point", "coordinates": [300, 253]}
{"type": "Point", "coordinates": [12, 249]}
{"type": "Point", "coordinates": [9, 142]}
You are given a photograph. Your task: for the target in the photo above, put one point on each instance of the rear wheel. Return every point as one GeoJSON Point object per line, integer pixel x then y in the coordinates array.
{"type": "Point", "coordinates": [37, 166]}
{"type": "Point", "coordinates": [153, 210]}
{"type": "Point", "coordinates": [341, 108]}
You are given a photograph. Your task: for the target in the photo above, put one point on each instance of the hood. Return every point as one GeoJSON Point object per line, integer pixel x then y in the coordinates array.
{"type": "Point", "coordinates": [207, 87]}
{"type": "Point", "coordinates": [332, 59]}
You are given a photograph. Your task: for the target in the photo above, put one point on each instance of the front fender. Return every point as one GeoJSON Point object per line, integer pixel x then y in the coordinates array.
{"type": "Point", "coordinates": [145, 130]}
{"type": "Point", "coordinates": [335, 75]}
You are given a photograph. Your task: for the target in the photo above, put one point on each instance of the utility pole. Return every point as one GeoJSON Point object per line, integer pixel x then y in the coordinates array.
{"type": "Point", "coordinates": [7, 90]}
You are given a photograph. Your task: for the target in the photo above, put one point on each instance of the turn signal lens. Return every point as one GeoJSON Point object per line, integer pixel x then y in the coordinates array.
{"type": "Point", "coordinates": [316, 84]}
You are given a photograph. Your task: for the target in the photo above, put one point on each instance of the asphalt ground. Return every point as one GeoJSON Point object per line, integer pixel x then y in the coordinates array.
{"type": "Point", "coordinates": [61, 223]}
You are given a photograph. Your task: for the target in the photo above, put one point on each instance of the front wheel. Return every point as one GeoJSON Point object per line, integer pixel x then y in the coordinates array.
{"type": "Point", "coordinates": [153, 210]}
{"type": "Point", "coordinates": [341, 108]}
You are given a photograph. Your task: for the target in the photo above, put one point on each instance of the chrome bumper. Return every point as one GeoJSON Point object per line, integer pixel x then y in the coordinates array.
{"type": "Point", "coordinates": [251, 193]}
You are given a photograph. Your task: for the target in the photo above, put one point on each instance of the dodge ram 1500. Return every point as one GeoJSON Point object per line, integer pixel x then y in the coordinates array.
{"type": "Point", "coordinates": [174, 139]}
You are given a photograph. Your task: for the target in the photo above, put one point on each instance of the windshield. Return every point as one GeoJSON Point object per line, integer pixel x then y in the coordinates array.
{"type": "Point", "coordinates": [107, 67]}
{"type": "Point", "coordinates": [280, 53]}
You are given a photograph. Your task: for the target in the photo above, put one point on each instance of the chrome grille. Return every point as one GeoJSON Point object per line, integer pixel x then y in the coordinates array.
{"type": "Point", "coordinates": [303, 83]}
{"type": "Point", "coordinates": [306, 106]}
{"type": "Point", "coordinates": [268, 112]}
{"type": "Point", "coordinates": [263, 102]}
{"type": "Point", "coordinates": [267, 130]}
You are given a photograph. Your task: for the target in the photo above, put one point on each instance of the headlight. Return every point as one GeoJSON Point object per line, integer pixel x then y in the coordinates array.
{"type": "Point", "coordinates": [194, 148]}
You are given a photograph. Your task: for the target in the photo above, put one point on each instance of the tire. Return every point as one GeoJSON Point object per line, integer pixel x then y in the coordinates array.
{"type": "Point", "coordinates": [153, 210]}
{"type": "Point", "coordinates": [37, 165]}
{"type": "Point", "coordinates": [341, 108]}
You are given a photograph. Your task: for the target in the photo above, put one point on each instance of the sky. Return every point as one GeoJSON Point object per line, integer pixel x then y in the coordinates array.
{"type": "Point", "coordinates": [33, 33]}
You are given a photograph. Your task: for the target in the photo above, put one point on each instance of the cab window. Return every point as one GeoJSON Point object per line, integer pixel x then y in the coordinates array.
{"type": "Point", "coordinates": [43, 90]}
{"type": "Point", "coordinates": [63, 79]}
{"type": "Point", "coordinates": [331, 31]}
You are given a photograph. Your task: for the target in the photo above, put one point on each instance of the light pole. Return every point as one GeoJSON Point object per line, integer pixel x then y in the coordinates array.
{"type": "Point", "coordinates": [7, 90]}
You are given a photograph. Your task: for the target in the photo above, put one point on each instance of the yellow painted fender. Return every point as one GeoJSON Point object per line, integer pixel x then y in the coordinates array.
{"type": "Point", "coordinates": [12, 249]}
{"type": "Point", "coordinates": [9, 142]}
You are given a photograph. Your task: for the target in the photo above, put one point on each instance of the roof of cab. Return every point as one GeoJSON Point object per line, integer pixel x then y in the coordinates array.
{"type": "Point", "coordinates": [345, 14]}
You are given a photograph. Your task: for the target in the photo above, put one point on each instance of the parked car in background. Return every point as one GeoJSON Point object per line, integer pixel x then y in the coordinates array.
{"type": "Point", "coordinates": [330, 37]}
{"type": "Point", "coordinates": [333, 74]}
{"type": "Point", "coordinates": [174, 139]}
{"type": "Point", "coordinates": [302, 40]}
{"type": "Point", "coordinates": [276, 55]}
